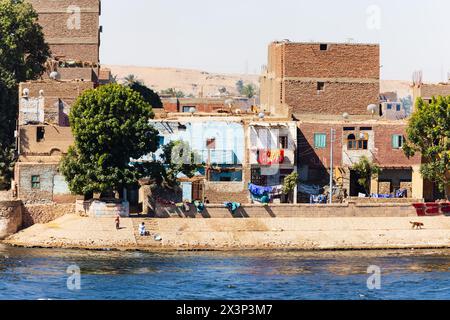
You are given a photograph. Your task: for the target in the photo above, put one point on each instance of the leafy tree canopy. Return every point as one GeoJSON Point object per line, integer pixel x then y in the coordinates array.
{"type": "Point", "coordinates": [249, 90]}
{"type": "Point", "coordinates": [429, 134]}
{"type": "Point", "coordinates": [177, 157]}
{"type": "Point", "coordinates": [366, 171]}
{"type": "Point", "coordinates": [111, 126]}
{"type": "Point", "coordinates": [148, 94]}
{"type": "Point", "coordinates": [23, 53]}
{"type": "Point", "coordinates": [173, 93]}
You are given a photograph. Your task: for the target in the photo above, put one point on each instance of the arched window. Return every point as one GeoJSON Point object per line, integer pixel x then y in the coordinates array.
{"type": "Point", "coordinates": [360, 143]}
{"type": "Point", "coordinates": [351, 142]}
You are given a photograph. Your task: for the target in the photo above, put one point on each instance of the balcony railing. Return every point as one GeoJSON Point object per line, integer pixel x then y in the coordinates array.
{"type": "Point", "coordinates": [217, 156]}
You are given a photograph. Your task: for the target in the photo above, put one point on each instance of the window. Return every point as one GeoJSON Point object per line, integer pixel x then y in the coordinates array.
{"type": "Point", "coordinates": [397, 141]}
{"type": "Point", "coordinates": [365, 128]}
{"type": "Point", "coordinates": [320, 86]}
{"type": "Point", "coordinates": [35, 182]}
{"type": "Point", "coordinates": [40, 134]}
{"type": "Point", "coordinates": [320, 140]}
{"type": "Point", "coordinates": [349, 128]}
{"type": "Point", "coordinates": [389, 106]}
{"type": "Point", "coordinates": [357, 144]}
{"type": "Point", "coordinates": [323, 47]}
{"type": "Point", "coordinates": [283, 142]}
{"type": "Point", "coordinates": [398, 107]}
{"type": "Point", "coordinates": [351, 141]}
{"type": "Point", "coordinates": [160, 141]}
{"type": "Point", "coordinates": [211, 143]}
{"type": "Point", "coordinates": [188, 109]}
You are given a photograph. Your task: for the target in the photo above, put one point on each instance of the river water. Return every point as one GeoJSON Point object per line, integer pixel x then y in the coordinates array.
{"type": "Point", "coordinates": [42, 274]}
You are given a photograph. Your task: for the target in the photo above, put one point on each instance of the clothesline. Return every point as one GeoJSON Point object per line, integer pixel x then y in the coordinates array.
{"type": "Point", "coordinates": [264, 190]}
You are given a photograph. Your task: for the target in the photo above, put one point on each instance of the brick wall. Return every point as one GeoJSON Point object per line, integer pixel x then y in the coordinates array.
{"type": "Point", "coordinates": [306, 60]}
{"type": "Point", "coordinates": [295, 211]}
{"type": "Point", "coordinates": [311, 156]}
{"type": "Point", "coordinates": [67, 39]}
{"type": "Point", "coordinates": [219, 192]}
{"type": "Point", "coordinates": [383, 152]}
{"type": "Point", "coordinates": [350, 73]}
{"type": "Point", "coordinates": [336, 97]}
{"type": "Point", "coordinates": [208, 106]}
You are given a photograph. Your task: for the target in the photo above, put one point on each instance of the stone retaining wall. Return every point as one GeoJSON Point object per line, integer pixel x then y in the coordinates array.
{"type": "Point", "coordinates": [291, 210]}
{"type": "Point", "coordinates": [44, 213]}
{"type": "Point", "coordinates": [10, 217]}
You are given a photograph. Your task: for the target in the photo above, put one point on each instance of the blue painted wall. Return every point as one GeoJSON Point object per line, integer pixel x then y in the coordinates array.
{"type": "Point", "coordinates": [229, 137]}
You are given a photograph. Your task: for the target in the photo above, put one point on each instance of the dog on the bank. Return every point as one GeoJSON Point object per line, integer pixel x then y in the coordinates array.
{"type": "Point", "coordinates": [417, 225]}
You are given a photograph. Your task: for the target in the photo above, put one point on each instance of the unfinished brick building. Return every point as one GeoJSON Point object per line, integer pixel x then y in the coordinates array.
{"type": "Point", "coordinates": [71, 27]}
{"type": "Point", "coordinates": [72, 30]}
{"type": "Point", "coordinates": [379, 140]}
{"type": "Point", "coordinates": [325, 78]}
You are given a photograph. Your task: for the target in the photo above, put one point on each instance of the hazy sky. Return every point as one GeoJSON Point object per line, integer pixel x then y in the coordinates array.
{"type": "Point", "coordinates": [231, 36]}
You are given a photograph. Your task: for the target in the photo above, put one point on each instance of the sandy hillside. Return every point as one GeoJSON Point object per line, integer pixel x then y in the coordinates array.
{"type": "Point", "coordinates": [192, 81]}
{"type": "Point", "coordinates": [186, 80]}
{"type": "Point", "coordinates": [402, 87]}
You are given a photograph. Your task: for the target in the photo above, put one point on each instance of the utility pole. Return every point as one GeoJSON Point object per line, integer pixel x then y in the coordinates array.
{"type": "Point", "coordinates": [332, 139]}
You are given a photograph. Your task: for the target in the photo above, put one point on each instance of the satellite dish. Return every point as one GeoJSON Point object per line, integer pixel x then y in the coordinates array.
{"type": "Point", "coordinates": [26, 92]}
{"type": "Point", "coordinates": [372, 108]}
{"type": "Point", "coordinates": [345, 115]}
{"type": "Point", "coordinates": [261, 115]}
{"type": "Point", "coordinates": [192, 110]}
{"type": "Point", "coordinates": [55, 75]}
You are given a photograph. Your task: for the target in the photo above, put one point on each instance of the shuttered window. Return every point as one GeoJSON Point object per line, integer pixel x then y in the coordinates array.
{"type": "Point", "coordinates": [397, 141]}
{"type": "Point", "coordinates": [320, 140]}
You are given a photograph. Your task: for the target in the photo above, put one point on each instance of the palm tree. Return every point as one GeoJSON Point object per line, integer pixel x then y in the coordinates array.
{"type": "Point", "coordinates": [131, 79]}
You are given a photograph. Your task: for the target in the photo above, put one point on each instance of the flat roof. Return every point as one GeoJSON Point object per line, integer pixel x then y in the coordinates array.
{"type": "Point", "coordinates": [325, 42]}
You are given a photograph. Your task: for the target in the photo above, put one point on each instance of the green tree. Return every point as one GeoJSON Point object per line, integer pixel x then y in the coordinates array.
{"type": "Point", "coordinates": [249, 90]}
{"type": "Point", "coordinates": [290, 182]}
{"type": "Point", "coordinates": [173, 93]}
{"type": "Point", "coordinates": [148, 94]}
{"type": "Point", "coordinates": [240, 86]}
{"type": "Point", "coordinates": [366, 170]}
{"type": "Point", "coordinates": [23, 53]}
{"type": "Point", "coordinates": [177, 157]}
{"type": "Point", "coordinates": [110, 125]}
{"type": "Point", "coordinates": [131, 79]}
{"type": "Point", "coordinates": [429, 134]}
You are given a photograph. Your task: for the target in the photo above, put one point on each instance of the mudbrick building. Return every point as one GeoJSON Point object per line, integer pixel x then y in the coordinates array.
{"type": "Point", "coordinates": [43, 134]}
{"type": "Point", "coordinates": [325, 78]}
{"type": "Point", "coordinates": [232, 151]}
{"type": "Point", "coordinates": [330, 86]}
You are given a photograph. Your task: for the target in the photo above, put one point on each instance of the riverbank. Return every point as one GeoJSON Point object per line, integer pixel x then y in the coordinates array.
{"type": "Point", "coordinates": [342, 233]}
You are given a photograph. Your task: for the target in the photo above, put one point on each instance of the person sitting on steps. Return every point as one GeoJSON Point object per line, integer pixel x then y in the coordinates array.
{"type": "Point", "coordinates": [142, 231]}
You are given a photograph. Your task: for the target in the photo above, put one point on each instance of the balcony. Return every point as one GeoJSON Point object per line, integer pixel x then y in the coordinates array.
{"type": "Point", "coordinates": [214, 156]}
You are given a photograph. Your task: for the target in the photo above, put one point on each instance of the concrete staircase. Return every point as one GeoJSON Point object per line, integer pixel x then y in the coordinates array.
{"type": "Point", "coordinates": [152, 226]}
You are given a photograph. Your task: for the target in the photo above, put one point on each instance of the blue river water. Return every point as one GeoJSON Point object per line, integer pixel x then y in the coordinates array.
{"type": "Point", "coordinates": [288, 275]}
